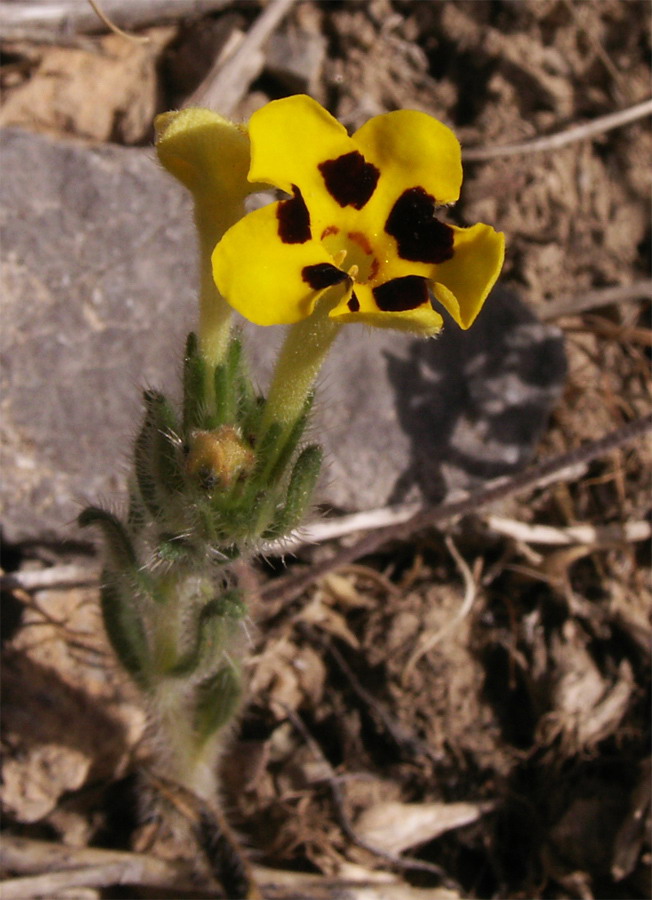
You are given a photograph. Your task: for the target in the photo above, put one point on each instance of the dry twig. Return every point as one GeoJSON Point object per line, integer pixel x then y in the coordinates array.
{"type": "Point", "coordinates": [399, 862]}
{"type": "Point", "coordinates": [327, 529]}
{"type": "Point", "coordinates": [572, 306]}
{"type": "Point", "coordinates": [229, 79]}
{"type": "Point", "coordinates": [91, 867]}
{"type": "Point", "coordinates": [55, 20]}
{"type": "Point", "coordinates": [592, 535]}
{"type": "Point", "coordinates": [61, 867]}
{"type": "Point", "coordinates": [563, 138]}
{"type": "Point", "coordinates": [53, 577]}
{"type": "Point", "coordinates": [554, 469]}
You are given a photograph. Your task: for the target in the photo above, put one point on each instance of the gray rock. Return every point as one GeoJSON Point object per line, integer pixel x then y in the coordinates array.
{"type": "Point", "coordinates": [98, 286]}
{"type": "Point", "coordinates": [98, 294]}
{"type": "Point", "coordinates": [295, 57]}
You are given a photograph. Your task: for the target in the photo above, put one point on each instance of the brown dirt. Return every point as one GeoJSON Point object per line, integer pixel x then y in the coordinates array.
{"type": "Point", "coordinates": [533, 708]}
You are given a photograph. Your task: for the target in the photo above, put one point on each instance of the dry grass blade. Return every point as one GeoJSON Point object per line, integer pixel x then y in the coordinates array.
{"type": "Point", "coordinates": [593, 535]}
{"type": "Point", "coordinates": [428, 641]}
{"type": "Point", "coordinates": [137, 39]}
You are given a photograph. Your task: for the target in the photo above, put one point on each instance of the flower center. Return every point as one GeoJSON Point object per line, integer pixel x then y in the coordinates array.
{"type": "Point", "coordinates": [352, 252]}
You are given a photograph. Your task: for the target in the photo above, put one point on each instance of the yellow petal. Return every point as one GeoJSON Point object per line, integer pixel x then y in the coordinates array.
{"type": "Point", "coordinates": [411, 149]}
{"type": "Point", "coordinates": [290, 137]}
{"type": "Point", "coordinates": [361, 306]}
{"type": "Point", "coordinates": [462, 284]}
{"type": "Point", "coordinates": [265, 278]}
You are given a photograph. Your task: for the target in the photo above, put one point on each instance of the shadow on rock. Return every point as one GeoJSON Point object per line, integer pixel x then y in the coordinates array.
{"type": "Point", "coordinates": [474, 404]}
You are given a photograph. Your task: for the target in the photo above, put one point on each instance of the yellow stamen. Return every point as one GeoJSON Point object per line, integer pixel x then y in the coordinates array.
{"type": "Point", "coordinates": [353, 272]}
{"type": "Point", "coordinates": [339, 258]}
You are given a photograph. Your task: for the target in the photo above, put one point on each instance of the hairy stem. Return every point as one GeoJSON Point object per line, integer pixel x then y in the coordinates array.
{"type": "Point", "coordinates": [302, 355]}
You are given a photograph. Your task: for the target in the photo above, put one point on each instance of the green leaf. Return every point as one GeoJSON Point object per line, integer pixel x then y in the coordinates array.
{"type": "Point", "coordinates": [118, 544]}
{"type": "Point", "coordinates": [214, 625]}
{"type": "Point", "coordinates": [122, 556]}
{"type": "Point", "coordinates": [137, 517]}
{"type": "Point", "coordinates": [156, 455]}
{"type": "Point", "coordinates": [125, 628]}
{"type": "Point", "coordinates": [217, 701]}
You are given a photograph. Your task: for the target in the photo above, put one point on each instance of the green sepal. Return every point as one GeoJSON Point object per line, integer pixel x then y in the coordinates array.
{"type": "Point", "coordinates": [194, 386]}
{"type": "Point", "coordinates": [299, 493]}
{"type": "Point", "coordinates": [229, 552]}
{"type": "Point", "coordinates": [267, 452]}
{"type": "Point", "coordinates": [245, 396]}
{"type": "Point", "coordinates": [217, 700]}
{"type": "Point", "coordinates": [224, 406]}
{"type": "Point", "coordinates": [279, 444]}
{"type": "Point", "coordinates": [125, 628]}
{"type": "Point", "coordinates": [240, 521]}
{"type": "Point", "coordinates": [290, 444]}
{"type": "Point", "coordinates": [252, 415]}
{"type": "Point", "coordinates": [228, 385]}
{"type": "Point", "coordinates": [168, 468]}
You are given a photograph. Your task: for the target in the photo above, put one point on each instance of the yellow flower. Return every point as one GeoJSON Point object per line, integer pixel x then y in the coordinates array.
{"type": "Point", "coordinates": [210, 156]}
{"type": "Point", "coordinates": [359, 232]}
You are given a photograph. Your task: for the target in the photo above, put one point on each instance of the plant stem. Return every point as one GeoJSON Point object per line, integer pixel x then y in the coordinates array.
{"type": "Point", "coordinates": [214, 312]}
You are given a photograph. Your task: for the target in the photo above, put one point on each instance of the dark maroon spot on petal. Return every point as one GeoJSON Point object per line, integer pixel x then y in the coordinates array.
{"type": "Point", "coordinates": [322, 275]}
{"type": "Point", "coordinates": [354, 303]}
{"type": "Point", "coordinates": [350, 179]}
{"type": "Point", "coordinates": [401, 294]}
{"type": "Point", "coordinates": [330, 229]}
{"type": "Point", "coordinates": [293, 219]}
{"type": "Point", "coordinates": [420, 237]}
